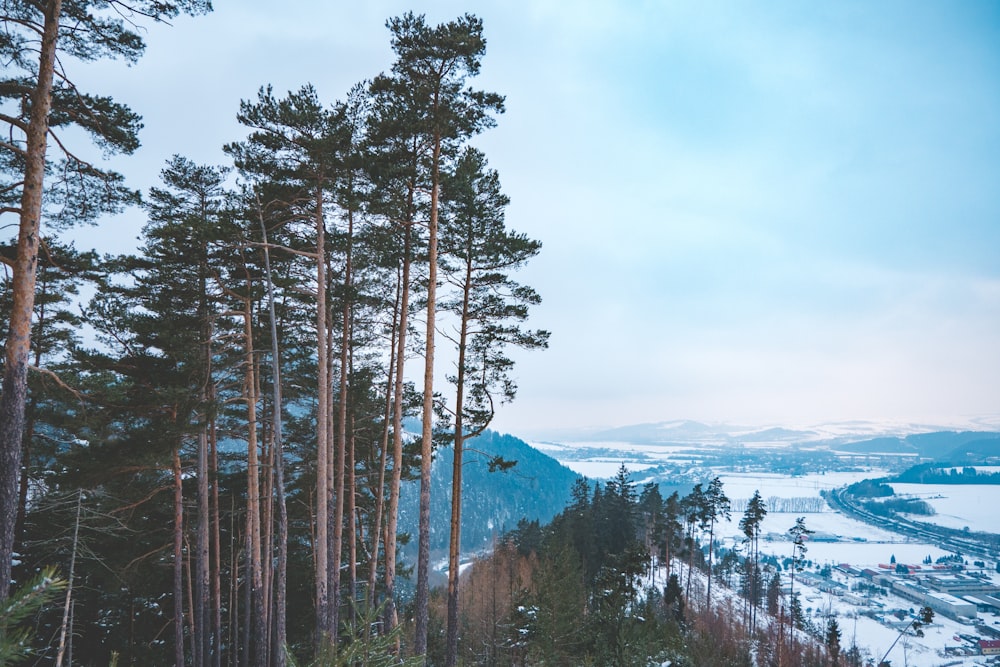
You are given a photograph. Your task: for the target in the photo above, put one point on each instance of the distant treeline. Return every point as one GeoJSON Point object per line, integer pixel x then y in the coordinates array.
{"type": "Point", "coordinates": [892, 506]}
{"type": "Point", "coordinates": [935, 473]}
{"type": "Point", "coordinates": [870, 488]}
{"type": "Point", "coordinates": [805, 504]}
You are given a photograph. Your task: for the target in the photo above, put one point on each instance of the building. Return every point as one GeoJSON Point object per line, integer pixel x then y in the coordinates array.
{"type": "Point", "coordinates": [949, 605]}
{"type": "Point", "coordinates": [959, 584]}
{"type": "Point", "coordinates": [989, 646]}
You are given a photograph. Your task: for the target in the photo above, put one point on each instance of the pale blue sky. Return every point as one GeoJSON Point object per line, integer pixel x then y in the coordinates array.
{"type": "Point", "coordinates": [776, 212]}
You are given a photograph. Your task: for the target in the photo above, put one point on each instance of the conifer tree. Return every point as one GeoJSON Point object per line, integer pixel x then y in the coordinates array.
{"type": "Point", "coordinates": [477, 253]}
{"type": "Point", "coordinates": [293, 144]}
{"type": "Point", "coordinates": [433, 64]}
{"type": "Point", "coordinates": [750, 525]}
{"type": "Point", "coordinates": [717, 508]}
{"type": "Point", "coordinates": [40, 38]}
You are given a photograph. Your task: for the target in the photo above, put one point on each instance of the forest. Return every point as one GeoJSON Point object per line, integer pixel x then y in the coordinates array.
{"type": "Point", "coordinates": [623, 576]}
{"type": "Point", "coordinates": [207, 436]}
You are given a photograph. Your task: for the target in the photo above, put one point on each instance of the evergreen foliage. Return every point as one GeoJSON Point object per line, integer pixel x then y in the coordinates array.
{"type": "Point", "coordinates": [586, 589]}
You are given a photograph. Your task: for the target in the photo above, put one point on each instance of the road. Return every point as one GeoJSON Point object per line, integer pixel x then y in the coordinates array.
{"type": "Point", "coordinates": [977, 545]}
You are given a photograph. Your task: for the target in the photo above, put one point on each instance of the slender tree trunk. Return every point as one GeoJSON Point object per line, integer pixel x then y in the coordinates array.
{"type": "Point", "coordinates": [248, 615]}
{"type": "Point", "coordinates": [711, 549]}
{"type": "Point", "coordinates": [203, 635]}
{"type": "Point", "coordinates": [350, 511]}
{"type": "Point", "coordinates": [324, 632]}
{"type": "Point", "coordinates": [178, 561]}
{"type": "Point", "coordinates": [189, 581]}
{"type": "Point", "coordinates": [422, 597]}
{"type": "Point", "coordinates": [281, 577]}
{"type": "Point", "coordinates": [257, 613]}
{"type": "Point", "coordinates": [334, 548]}
{"type": "Point", "coordinates": [383, 456]}
{"type": "Point", "coordinates": [339, 473]}
{"type": "Point", "coordinates": [397, 437]}
{"type": "Point", "coordinates": [267, 526]}
{"type": "Point", "coordinates": [66, 630]}
{"type": "Point", "coordinates": [15, 378]}
{"type": "Point", "coordinates": [455, 542]}
{"type": "Point", "coordinates": [216, 537]}
{"type": "Point", "coordinates": [202, 580]}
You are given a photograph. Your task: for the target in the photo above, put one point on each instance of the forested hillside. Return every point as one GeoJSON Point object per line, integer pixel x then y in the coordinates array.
{"type": "Point", "coordinates": [495, 497]}
{"type": "Point", "coordinates": [349, 267]}
{"type": "Point", "coordinates": [624, 576]}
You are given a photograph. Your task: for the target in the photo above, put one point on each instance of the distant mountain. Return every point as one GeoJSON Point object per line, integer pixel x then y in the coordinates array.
{"type": "Point", "coordinates": [538, 487]}
{"type": "Point", "coordinates": [649, 442]}
{"type": "Point", "coordinates": [948, 444]}
{"type": "Point", "coordinates": [977, 450]}
{"type": "Point", "coordinates": [885, 445]}
{"type": "Point", "coordinates": [937, 446]}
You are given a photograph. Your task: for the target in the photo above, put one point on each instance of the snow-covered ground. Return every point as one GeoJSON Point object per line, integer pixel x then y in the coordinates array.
{"type": "Point", "coordinates": [742, 485]}
{"type": "Point", "coordinates": [865, 546]}
{"type": "Point", "coordinates": [974, 506]}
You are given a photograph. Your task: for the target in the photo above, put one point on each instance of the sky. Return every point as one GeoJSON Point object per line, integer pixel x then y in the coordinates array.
{"type": "Point", "coordinates": [756, 213]}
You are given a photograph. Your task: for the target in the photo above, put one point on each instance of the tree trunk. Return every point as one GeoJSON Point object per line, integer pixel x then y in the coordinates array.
{"type": "Point", "coordinates": [324, 632]}
{"type": "Point", "coordinates": [341, 438]}
{"type": "Point", "coordinates": [397, 438]}
{"type": "Point", "coordinates": [66, 630]}
{"type": "Point", "coordinates": [422, 597]}
{"type": "Point", "coordinates": [178, 561]}
{"type": "Point", "coordinates": [280, 593]}
{"type": "Point", "coordinates": [216, 538]}
{"type": "Point", "coordinates": [202, 639]}
{"type": "Point", "coordinates": [455, 542]}
{"type": "Point", "coordinates": [258, 614]}
{"type": "Point", "coordinates": [15, 378]}
{"type": "Point", "coordinates": [383, 456]}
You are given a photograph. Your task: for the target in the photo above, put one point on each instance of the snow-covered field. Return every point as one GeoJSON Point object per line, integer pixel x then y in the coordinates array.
{"type": "Point", "coordinates": [742, 485]}
{"type": "Point", "coordinates": [975, 506]}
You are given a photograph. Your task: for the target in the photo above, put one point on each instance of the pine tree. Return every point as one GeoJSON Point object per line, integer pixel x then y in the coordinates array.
{"type": "Point", "coordinates": [433, 65]}
{"type": "Point", "coordinates": [37, 37]}
{"type": "Point", "coordinates": [750, 525]}
{"type": "Point", "coordinates": [477, 252]}
{"type": "Point", "coordinates": [293, 146]}
{"type": "Point", "coordinates": [832, 640]}
{"type": "Point", "coordinates": [717, 507]}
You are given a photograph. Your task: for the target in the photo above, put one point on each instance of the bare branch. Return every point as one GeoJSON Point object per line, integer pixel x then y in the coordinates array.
{"type": "Point", "coordinates": [55, 378]}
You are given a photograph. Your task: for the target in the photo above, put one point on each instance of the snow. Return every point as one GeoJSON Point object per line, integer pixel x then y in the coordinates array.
{"type": "Point", "coordinates": [957, 505]}
{"type": "Point", "coordinates": [603, 468]}
{"type": "Point", "coordinates": [742, 485]}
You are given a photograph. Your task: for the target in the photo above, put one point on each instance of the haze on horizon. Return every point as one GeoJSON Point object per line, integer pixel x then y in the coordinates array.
{"type": "Point", "coordinates": [762, 214]}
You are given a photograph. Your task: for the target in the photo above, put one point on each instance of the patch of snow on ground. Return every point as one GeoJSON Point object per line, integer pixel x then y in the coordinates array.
{"type": "Point", "coordinates": [958, 505]}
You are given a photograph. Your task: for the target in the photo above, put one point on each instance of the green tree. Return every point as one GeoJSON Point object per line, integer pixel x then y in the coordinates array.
{"type": "Point", "coordinates": [799, 534]}
{"type": "Point", "coordinates": [294, 148]}
{"type": "Point", "coordinates": [693, 506]}
{"type": "Point", "coordinates": [717, 508]}
{"type": "Point", "coordinates": [15, 641]}
{"type": "Point", "coordinates": [672, 529]}
{"type": "Point", "coordinates": [477, 254]}
{"type": "Point", "coordinates": [774, 593]}
{"type": "Point", "coordinates": [832, 640]}
{"type": "Point", "coordinates": [39, 39]}
{"type": "Point", "coordinates": [432, 65]}
{"type": "Point", "coordinates": [183, 220]}
{"type": "Point", "coordinates": [750, 525]}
